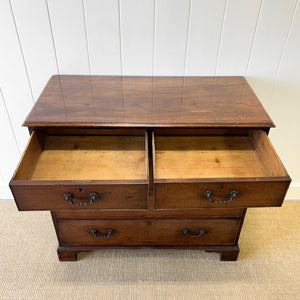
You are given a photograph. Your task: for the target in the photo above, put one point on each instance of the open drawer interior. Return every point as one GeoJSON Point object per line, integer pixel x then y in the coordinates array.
{"type": "Point", "coordinates": [78, 157]}
{"type": "Point", "coordinates": [224, 157]}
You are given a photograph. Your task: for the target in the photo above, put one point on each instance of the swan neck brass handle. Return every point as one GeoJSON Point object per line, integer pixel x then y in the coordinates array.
{"type": "Point", "coordinates": [95, 233]}
{"type": "Point", "coordinates": [93, 196]}
{"type": "Point", "coordinates": [209, 195]}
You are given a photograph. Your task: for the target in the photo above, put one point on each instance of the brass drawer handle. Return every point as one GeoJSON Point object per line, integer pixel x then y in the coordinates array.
{"type": "Point", "coordinates": [93, 196]}
{"type": "Point", "coordinates": [191, 234]}
{"type": "Point", "coordinates": [209, 194]}
{"type": "Point", "coordinates": [96, 233]}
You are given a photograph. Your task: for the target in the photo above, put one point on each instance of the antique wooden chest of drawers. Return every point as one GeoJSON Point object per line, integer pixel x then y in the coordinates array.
{"type": "Point", "coordinates": [161, 162]}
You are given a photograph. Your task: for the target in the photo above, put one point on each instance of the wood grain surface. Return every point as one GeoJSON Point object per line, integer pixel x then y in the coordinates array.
{"type": "Point", "coordinates": [252, 193]}
{"type": "Point", "coordinates": [91, 101]}
{"type": "Point", "coordinates": [92, 158]}
{"type": "Point", "coordinates": [148, 232]}
{"type": "Point", "coordinates": [206, 157]}
{"type": "Point", "coordinates": [192, 157]}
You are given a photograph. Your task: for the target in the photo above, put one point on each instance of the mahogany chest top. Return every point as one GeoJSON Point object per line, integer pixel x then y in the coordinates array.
{"type": "Point", "coordinates": [117, 101]}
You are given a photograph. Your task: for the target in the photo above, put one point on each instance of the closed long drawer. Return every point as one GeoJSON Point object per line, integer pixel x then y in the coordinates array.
{"type": "Point", "coordinates": [217, 171]}
{"type": "Point", "coordinates": [148, 232]}
{"type": "Point", "coordinates": [82, 172]}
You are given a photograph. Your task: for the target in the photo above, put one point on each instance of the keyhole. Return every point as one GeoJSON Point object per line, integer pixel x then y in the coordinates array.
{"type": "Point", "coordinates": [80, 189]}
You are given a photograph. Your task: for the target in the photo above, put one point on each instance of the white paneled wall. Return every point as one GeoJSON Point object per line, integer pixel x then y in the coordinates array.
{"type": "Point", "coordinates": [34, 31]}
{"type": "Point", "coordinates": [103, 36]}
{"type": "Point", "coordinates": [204, 36]}
{"type": "Point", "coordinates": [172, 18]}
{"type": "Point", "coordinates": [136, 36]}
{"type": "Point", "coordinates": [259, 39]}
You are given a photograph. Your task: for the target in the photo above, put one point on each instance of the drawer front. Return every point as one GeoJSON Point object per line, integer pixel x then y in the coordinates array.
{"type": "Point", "coordinates": [61, 172]}
{"type": "Point", "coordinates": [148, 232]}
{"type": "Point", "coordinates": [54, 197]}
{"type": "Point", "coordinates": [221, 194]}
{"type": "Point", "coordinates": [217, 171]}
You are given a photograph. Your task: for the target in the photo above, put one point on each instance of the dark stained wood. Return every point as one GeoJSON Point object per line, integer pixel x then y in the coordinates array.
{"type": "Point", "coordinates": [190, 195]}
{"type": "Point", "coordinates": [69, 252]}
{"type": "Point", "coordinates": [148, 232]}
{"type": "Point", "coordinates": [50, 195]}
{"type": "Point", "coordinates": [40, 182]}
{"type": "Point", "coordinates": [100, 114]}
{"type": "Point", "coordinates": [204, 131]}
{"type": "Point", "coordinates": [227, 252]}
{"type": "Point", "coordinates": [68, 255]}
{"type": "Point", "coordinates": [187, 166]}
{"type": "Point", "coordinates": [118, 101]}
{"type": "Point", "coordinates": [92, 131]}
{"type": "Point", "coordinates": [148, 213]}
{"type": "Point", "coordinates": [139, 131]}
{"type": "Point", "coordinates": [65, 255]}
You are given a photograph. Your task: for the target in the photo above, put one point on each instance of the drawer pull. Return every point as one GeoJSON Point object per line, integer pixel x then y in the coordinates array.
{"type": "Point", "coordinates": [209, 194]}
{"type": "Point", "coordinates": [191, 234]}
{"type": "Point", "coordinates": [96, 233]}
{"type": "Point", "coordinates": [93, 196]}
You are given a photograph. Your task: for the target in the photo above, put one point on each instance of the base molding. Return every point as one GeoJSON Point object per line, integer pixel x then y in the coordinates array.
{"type": "Point", "coordinates": [227, 252]}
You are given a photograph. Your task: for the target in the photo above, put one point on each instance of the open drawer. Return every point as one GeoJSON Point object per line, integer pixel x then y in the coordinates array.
{"type": "Point", "coordinates": [82, 172]}
{"type": "Point", "coordinates": [217, 171]}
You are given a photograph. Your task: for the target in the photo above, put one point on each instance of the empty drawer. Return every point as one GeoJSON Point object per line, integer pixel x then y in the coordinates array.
{"type": "Point", "coordinates": [82, 172]}
{"type": "Point", "coordinates": [217, 171]}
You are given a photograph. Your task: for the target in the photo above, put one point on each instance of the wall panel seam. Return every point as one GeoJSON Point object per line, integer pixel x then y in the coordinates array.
{"type": "Point", "coordinates": [120, 38]}
{"type": "Point", "coordinates": [52, 36]}
{"type": "Point", "coordinates": [254, 36]}
{"type": "Point", "coordinates": [286, 41]}
{"type": "Point", "coordinates": [10, 122]}
{"type": "Point", "coordinates": [187, 37]}
{"type": "Point", "coordinates": [154, 32]}
{"type": "Point", "coordinates": [86, 38]}
{"type": "Point", "coordinates": [21, 49]}
{"type": "Point", "coordinates": [221, 36]}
